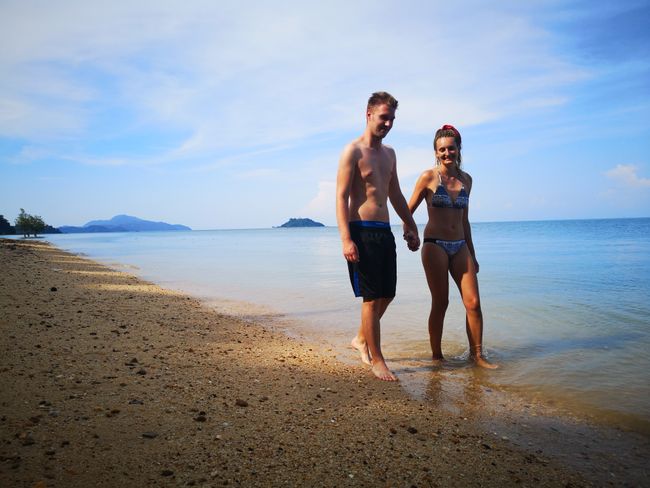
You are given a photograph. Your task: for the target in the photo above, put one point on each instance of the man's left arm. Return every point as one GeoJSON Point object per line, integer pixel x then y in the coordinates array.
{"type": "Point", "coordinates": [398, 202]}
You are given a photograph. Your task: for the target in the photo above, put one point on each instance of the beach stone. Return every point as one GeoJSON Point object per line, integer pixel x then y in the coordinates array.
{"type": "Point", "coordinates": [412, 430]}
{"type": "Point", "coordinates": [241, 403]}
{"type": "Point", "coordinates": [28, 440]}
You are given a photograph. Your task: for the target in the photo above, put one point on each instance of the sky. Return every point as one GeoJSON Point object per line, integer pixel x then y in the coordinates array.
{"type": "Point", "coordinates": [233, 114]}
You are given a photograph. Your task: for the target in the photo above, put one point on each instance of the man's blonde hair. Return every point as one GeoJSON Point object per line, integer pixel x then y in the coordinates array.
{"type": "Point", "coordinates": [382, 98]}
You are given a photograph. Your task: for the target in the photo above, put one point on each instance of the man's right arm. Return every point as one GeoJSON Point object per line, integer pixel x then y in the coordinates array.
{"type": "Point", "coordinates": [344, 177]}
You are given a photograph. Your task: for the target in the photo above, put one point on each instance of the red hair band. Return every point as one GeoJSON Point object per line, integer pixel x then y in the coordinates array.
{"type": "Point", "coordinates": [451, 128]}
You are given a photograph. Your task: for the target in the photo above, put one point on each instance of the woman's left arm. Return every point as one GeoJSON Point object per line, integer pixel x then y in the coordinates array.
{"type": "Point", "coordinates": [467, 228]}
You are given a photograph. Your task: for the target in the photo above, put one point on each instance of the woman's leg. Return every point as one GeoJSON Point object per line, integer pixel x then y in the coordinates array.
{"type": "Point", "coordinates": [463, 272]}
{"type": "Point", "coordinates": [436, 266]}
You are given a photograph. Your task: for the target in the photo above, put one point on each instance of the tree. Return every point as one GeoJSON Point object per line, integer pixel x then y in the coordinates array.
{"type": "Point", "coordinates": [22, 223]}
{"type": "Point", "coordinates": [27, 224]}
{"type": "Point", "coordinates": [37, 224]}
{"type": "Point", "coordinates": [5, 227]}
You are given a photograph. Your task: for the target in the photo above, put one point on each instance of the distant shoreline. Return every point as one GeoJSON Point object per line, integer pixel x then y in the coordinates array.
{"type": "Point", "coordinates": [420, 224]}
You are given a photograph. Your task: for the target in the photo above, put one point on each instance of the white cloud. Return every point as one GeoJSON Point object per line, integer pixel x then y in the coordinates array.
{"type": "Point", "coordinates": [413, 161]}
{"type": "Point", "coordinates": [258, 173]}
{"type": "Point", "coordinates": [627, 174]}
{"type": "Point", "coordinates": [227, 75]}
{"type": "Point", "coordinates": [322, 206]}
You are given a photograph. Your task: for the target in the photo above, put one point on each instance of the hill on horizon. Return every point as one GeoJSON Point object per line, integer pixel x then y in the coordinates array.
{"type": "Point", "coordinates": [301, 222]}
{"type": "Point", "coordinates": [122, 223]}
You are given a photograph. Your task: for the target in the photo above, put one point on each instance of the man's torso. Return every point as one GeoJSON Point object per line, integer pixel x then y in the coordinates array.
{"type": "Point", "coordinates": [371, 182]}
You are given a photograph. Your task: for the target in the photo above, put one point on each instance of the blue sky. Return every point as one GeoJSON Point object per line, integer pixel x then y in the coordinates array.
{"type": "Point", "coordinates": [232, 114]}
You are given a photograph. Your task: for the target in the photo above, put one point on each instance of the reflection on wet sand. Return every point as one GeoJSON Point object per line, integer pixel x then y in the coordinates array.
{"type": "Point", "coordinates": [455, 386]}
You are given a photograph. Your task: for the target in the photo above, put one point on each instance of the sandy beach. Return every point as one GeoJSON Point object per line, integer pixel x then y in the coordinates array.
{"type": "Point", "coordinates": [107, 380]}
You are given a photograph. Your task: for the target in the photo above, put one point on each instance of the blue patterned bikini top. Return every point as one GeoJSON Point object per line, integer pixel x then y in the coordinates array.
{"type": "Point", "coordinates": [441, 198]}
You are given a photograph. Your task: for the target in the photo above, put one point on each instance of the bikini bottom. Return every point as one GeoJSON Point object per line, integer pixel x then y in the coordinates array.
{"type": "Point", "coordinates": [450, 247]}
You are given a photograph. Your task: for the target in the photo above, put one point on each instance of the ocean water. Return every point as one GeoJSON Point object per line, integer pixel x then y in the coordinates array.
{"type": "Point", "coordinates": [565, 303]}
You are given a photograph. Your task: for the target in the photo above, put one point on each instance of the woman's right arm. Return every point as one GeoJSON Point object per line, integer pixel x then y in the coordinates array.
{"type": "Point", "coordinates": [419, 192]}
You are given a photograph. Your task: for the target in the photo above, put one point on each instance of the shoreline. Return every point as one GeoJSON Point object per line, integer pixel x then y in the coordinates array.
{"type": "Point", "coordinates": [111, 380]}
{"type": "Point", "coordinates": [415, 372]}
{"type": "Point", "coordinates": [568, 348]}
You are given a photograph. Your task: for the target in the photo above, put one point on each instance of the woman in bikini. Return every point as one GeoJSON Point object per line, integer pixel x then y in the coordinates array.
{"type": "Point", "coordinates": [448, 246]}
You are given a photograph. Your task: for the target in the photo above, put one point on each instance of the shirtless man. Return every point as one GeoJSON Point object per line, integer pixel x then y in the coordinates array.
{"type": "Point", "coordinates": [366, 180]}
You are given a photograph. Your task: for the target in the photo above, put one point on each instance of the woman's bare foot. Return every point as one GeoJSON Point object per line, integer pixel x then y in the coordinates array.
{"type": "Point", "coordinates": [381, 371]}
{"type": "Point", "coordinates": [438, 361]}
{"type": "Point", "coordinates": [362, 347]}
{"type": "Point", "coordinates": [481, 362]}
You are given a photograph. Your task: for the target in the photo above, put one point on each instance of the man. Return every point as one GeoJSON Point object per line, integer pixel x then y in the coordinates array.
{"type": "Point", "coordinates": [366, 180]}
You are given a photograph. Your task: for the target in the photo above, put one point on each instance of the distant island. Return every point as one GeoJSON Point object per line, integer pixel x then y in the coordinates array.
{"type": "Point", "coordinates": [122, 223]}
{"type": "Point", "coordinates": [301, 223]}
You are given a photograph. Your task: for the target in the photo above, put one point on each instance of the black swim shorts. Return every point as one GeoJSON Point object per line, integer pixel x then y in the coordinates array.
{"type": "Point", "coordinates": [375, 275]}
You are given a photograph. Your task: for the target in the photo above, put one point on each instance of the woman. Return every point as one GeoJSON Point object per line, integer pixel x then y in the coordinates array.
{"type": "Point", "coordinates": [447, 245]}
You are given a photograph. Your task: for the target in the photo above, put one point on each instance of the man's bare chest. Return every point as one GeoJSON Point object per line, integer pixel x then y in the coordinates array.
{"type": "Point", "coordinates": [374, 169]}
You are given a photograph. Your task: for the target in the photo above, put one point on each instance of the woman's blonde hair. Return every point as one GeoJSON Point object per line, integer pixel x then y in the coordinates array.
{"type": "Point", "coordinates": [448, 131]}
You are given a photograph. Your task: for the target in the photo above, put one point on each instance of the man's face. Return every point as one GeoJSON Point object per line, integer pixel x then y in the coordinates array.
{"type": "Point", "coordinates": [380, 120]}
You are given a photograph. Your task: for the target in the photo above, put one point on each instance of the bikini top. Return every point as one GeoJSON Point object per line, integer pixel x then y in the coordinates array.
{"type": "Point", "coordinates": [441, 198]}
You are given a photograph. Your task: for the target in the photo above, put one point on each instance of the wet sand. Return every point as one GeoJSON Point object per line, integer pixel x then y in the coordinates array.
{"type": "Point", "coordinates": [107, 380]}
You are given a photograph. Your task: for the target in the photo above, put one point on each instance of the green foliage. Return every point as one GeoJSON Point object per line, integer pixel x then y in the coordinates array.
{"type": "Point", "coordinates": [27, 224]}
{"type": "Point", "coordinates": [5, 227]}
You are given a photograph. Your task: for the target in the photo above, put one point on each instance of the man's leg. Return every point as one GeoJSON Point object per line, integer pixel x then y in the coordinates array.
{"type": "Point", "coordinates": [371, 312]}
{"type": "Point", "coordinates": [359, 341]}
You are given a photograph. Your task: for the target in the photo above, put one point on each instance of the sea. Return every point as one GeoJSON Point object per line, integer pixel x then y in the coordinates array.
{"type": "Point", "coordinates": [566, 304]}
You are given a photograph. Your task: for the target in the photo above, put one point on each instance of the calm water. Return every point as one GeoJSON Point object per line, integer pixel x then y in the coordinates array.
{"type": "Point", "coordinates": [566, 303]}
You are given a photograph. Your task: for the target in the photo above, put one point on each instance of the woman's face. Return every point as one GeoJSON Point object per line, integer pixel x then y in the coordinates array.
{"type": "Point", "coordinates": [446, 150]}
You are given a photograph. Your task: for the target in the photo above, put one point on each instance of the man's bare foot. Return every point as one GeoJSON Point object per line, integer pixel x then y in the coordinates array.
{"type": "Point", "coordinates": [362, 347]}
{"type": "Point", "coordinates": [381, 371]}
{"type": "Point", "coordinates": [481, 362]}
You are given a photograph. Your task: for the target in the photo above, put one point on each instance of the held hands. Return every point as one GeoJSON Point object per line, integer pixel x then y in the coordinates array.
{"type": "Point", "coordinates": [412, 240]}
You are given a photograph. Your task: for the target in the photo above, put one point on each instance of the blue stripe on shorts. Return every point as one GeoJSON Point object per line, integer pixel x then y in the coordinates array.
{"type": "Point", "coordinates": [374, 224]}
